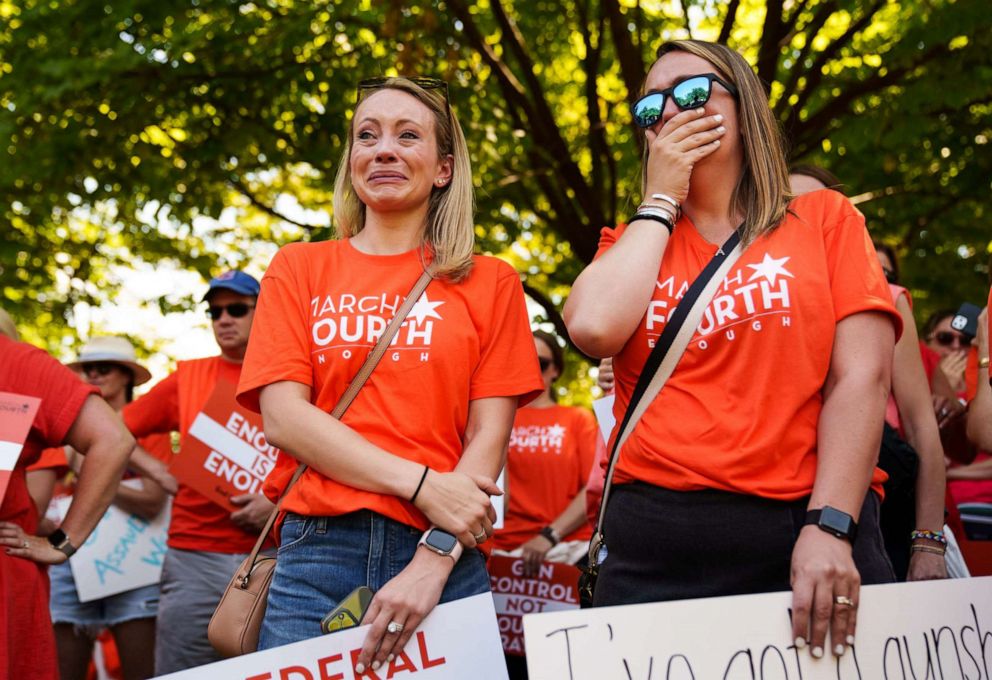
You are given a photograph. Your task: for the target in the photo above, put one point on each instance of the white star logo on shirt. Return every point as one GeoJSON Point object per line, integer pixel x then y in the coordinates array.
{"type": "Point", "coordinates": [770, 268]}
{"type": "Point", "coordinates": [425, 309]}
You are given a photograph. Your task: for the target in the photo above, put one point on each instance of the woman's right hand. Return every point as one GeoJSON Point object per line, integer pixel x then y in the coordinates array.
{"type": "Point", "coordinates": [675, 147]}
{"type": "Point", "coordinates": [459, 504]}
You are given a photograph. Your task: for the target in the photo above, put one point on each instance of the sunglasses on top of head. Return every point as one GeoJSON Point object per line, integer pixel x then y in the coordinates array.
{"type": "Point", "coordinates": [423, 82]}
{"type": "Point", "coordinates": [235, 310]}
{"type": "Point", "coordinates": [947, 338]}
{"type": "Point", "coordinates": [689, 93]}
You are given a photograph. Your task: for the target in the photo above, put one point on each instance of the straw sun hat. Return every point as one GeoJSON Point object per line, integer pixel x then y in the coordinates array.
{"type": "Point", "coordinates": [114, 350]}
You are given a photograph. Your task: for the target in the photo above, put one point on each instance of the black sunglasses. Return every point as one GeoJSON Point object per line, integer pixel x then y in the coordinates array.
{"type": "Point", "coordinates": [235, 310]}
{"type": "Point", "coordinates": [946, 339]}
{"type": "Point", "coordinates": [689, 93]}
{"type": "Point", "coordinates": [423, 82]}
{"type": "Point", "coordinates": [98, 367]}
{"type": "Point", "coordinates": [545, 362]}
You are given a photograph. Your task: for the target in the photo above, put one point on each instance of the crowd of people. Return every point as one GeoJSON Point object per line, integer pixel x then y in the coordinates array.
{"type": "Point", "coordinates": [802, 438]}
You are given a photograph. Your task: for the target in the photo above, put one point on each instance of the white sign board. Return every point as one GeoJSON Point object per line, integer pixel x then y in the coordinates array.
{"type": "Point", "coordinates": [499, 502]}
{"type": "Point", "coordinates": [124, 552]}
{"type": "Point", "coordinates": [603, 408]}
{"type": "Point", "coordinates": [934, 629]}
{"type": "Point", "coordinates": [458, 640]}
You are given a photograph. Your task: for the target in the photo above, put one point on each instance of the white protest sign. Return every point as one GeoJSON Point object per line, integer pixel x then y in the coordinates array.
{"type": "Point", "coordinates": [499, 502]}
{"type": "Point", "coordinates": [603, 408]}
{"type": "Point", "coordinates": [124, 552]}
{"type": "Point", "coordinates": [458, 640]}
{"type": "Point", "coordinates": [907, 631]}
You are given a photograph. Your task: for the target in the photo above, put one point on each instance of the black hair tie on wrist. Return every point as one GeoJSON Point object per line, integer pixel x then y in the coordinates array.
{"type": "Point", "coordinates": [413, 498]}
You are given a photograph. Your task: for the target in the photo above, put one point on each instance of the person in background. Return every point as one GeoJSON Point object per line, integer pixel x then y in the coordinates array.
{"type": "Point", "coordinates": [705, 503]}
{"type": "Point", "coordinates": [412, 462]}
{"type": "Point", "coordinates": [108, 363]}
{"type": "Point", "coordinates": [207, 542]}
{"type": "Point", "coordinates": [910, 413]}
{"type": "Point", "coordinates": [71, 412]}
{"type": "Point", "coordinates": [971, 485]}
{"type": "Point", "coordinates": [950, 344]}
{"type": "Point", "coordinates": [550, 455]}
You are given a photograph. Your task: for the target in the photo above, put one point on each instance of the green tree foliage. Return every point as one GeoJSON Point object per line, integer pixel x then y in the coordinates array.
{"type": "Point", "coordinates": [122, 123]}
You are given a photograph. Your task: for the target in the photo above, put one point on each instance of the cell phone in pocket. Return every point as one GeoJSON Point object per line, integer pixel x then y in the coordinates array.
{"type": "Point", "coordinates": [349, 612]}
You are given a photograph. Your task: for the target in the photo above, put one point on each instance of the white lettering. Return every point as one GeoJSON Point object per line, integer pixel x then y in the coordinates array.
{"type": "Point", "coordinates": [653, 316]}
{"type": "Point", "coordinates": [234, 422]}
{"type": "Point", "coordinates": [424, 356]}
{"type": "Point", "coordinates": [745, 294]}
{"type": "Point", "coordinates": [768, 295]}
{"type": "Point", "coordinates": [724, 308]}
{"type": "Point", "coordinates": [326, 337]}
{"type": "Point", "coordinates": [786, 321]}
{"type": "Point", "coordinates": [346, 354]}
{"type": "Point", "coordinates": [347, 303]}
{"type": "Point", "coordinates": [756, 325]}
{"type": "Point", "coordinates": [412, 333]}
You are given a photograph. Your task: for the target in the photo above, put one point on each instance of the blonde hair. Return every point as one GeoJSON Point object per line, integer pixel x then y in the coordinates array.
{"type": "Point", "coordinates": [450, 231]}
{"type": "Point", "coordinates": [762, 193]}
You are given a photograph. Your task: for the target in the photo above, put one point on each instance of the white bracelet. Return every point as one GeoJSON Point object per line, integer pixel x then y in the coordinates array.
{"type": "Point", "coordinates": [668, 199]}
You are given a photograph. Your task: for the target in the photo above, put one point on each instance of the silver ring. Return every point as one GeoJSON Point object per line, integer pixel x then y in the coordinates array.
{"type": "Point", "coordinates": [25, 544]}
{"type": "Point", "coordinates": [843, 601]}
{"type": "Point", "coordinates": [480, 537]}
{"type": "Point", "coordinates": [394, 627]}
{"type": "Point", "coordinates": [944, 411]}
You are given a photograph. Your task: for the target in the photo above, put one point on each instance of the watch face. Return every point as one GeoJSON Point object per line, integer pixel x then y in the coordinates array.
{"type": "Point", "coordinates": [441, 540]}
{"type": "Point", "coordinates": [835, 520]}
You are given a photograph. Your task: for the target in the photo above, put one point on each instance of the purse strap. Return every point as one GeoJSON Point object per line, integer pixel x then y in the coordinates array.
{"type": "Point", "coordinates": [681, 326]}
{"type": "Point", "coordinates": [343, 403]}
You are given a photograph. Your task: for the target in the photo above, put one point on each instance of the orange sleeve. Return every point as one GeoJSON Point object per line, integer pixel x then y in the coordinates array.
{"type": "Point", "coordinates": [51, 458]}
{"type": "Point", "coordinates": [607, 237]}
{"type": "Point", "coordinates": [508, 365]}
{"type": "Point", "coordinates": [156, 412]}
{"type": "Point", "coordinates": [856, 280]}
{"type": "Point", "coordinates": [279, 347]}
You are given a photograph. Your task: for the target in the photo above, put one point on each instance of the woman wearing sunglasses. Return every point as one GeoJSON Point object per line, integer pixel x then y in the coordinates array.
{"type": "Point", "coordinates": [750, 471]}
{"type": "Point", "coordinates": [397, 494]}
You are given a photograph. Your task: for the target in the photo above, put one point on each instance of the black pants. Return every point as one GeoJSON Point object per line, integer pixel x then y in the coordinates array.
{"type": "Point", "coordinates": [675, 545]}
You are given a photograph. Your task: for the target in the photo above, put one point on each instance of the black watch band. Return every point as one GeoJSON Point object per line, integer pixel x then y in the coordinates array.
{"type": "Point", "coordinates": [61, 542]}
{"type": "Point", "coordinates": [835, 522]}
{"type": "Point", "coordinates": [551, 535]}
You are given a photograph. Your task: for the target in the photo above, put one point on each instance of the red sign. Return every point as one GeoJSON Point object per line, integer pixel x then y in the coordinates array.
{"type": "Point", "coordinates": [225, 453]}
{"type": "Point", "coordinates": [555, 588]}
{"type": "Point", "coordinates": [17, 412]}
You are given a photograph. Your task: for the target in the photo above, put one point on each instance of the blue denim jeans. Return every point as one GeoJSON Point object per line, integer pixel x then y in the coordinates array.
{"type": "Point", "coordinates": [322, 559]}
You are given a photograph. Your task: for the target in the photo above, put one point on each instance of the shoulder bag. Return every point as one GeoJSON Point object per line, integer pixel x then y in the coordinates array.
{"type": "Point", "coordinates": [237, 621]}
{"type": "Point", "coordinates": [674, 340]}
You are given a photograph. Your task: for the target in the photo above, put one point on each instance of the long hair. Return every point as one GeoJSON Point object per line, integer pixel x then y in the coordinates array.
{"type": "Point", "coordinates": [762, 192]}
{"type": "Point", "coordinates": [450, 231]}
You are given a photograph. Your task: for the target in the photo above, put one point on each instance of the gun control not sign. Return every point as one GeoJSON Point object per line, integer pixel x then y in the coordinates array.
{"type": "Point", "coordinates": [225, 453]}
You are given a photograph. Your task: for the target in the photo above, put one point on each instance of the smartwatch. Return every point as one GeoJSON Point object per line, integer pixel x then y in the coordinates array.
{"type": "Point", "coordinates": [835, 522]}
{"type": "Point", "coordinates": [553, 536]}
{"type": "Point", "coordinates": [441, 542]}
{"type": "Point", "coordinates": [61, 542]}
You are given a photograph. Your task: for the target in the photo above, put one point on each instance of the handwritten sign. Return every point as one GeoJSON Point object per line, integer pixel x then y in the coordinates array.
{"type": "Point", "coordinates": [554, 588]}
{"type": "Point", "coordinates": [906, 631]}
{"type": "Point", "coordinates": [17, 412]}
{"type": "Point", "coordinates": [457, 640]}
{"type": "Point", "coordinates": [226, 453]}
{"type": "Point", "coordinates": [124, 552]}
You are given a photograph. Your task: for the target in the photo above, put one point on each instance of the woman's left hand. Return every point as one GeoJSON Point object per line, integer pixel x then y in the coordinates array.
{"type": "Point", "coordinates": [823, 571]}
{"type": "Point", "coordinates": [406, 600]}
{"type": "Point", "coordinates": [19, 544]}
{"type": "Point", "coordinates": [926, 566]}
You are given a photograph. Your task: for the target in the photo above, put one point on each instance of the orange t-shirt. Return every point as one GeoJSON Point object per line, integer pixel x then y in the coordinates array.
{"type": "Point", "coordinates": [551, 452]}
{"type": "Point", "coordinates": [740, 412]}
{"type": "Point", "coordinates": [197, 523]}
{"type": "Point", "coordinates": [321, 309]}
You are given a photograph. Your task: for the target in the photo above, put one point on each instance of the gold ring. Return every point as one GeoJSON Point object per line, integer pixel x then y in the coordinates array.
{"type": "Point", "coordinates": [480, 537]}
{"type": "Point", "coordinates": [844, 601]}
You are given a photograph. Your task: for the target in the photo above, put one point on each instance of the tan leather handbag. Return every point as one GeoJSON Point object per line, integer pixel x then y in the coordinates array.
{"type": "Point", "coordinates": [237, 621]}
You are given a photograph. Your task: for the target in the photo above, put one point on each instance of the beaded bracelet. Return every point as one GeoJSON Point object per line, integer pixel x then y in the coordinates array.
{"type": "Point", "coordinates": [936, 536]}
{"type": "Point", "coordinates": [928, 549]}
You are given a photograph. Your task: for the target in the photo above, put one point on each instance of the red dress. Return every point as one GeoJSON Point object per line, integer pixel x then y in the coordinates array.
{"type": "Point", "coordinates": [27, 644]}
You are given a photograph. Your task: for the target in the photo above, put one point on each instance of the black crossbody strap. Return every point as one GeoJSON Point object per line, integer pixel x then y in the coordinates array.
{"type": "Point", "coordinates": [679, 329]}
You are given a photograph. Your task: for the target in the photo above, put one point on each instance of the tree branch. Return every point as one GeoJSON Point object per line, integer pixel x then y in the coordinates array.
{"type": "Point", "coordinates": [728, 21]}
{"type": "Point", "coordinates": [811, 30]}
{"type": "Point", "coordinates": [771, 36]}
{"type": "Point", "coordinates": [242, 189]}
{"type": "Point", "coordinates": [631, 63]}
